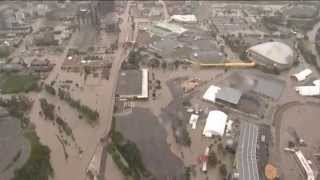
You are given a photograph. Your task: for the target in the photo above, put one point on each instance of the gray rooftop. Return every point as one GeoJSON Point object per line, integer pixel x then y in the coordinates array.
{"type": "Point", "coordinates": [166, 44]}
{"type": "Point", "coordinates": [246, 152]}
{"type": "Point", "coordinates": [129, 83]}
{"type": "Point", "coordinates": [229, 95]}
{"type": "Point", "coordinates": [270, 87]}
{"type": "Point", "coordinates": [301, 11]}
{"type": "Point", "coordinates": [260, 83]}
{"type": "Point", "coordinates": [207, 56]}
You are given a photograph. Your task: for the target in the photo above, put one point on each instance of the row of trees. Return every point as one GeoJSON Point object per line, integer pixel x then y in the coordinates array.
{"type": "Point", "coordinates": [91, 115]}
{"type": "Point", "coordinates": [127, 156]}
{"type": "Point", "coordinates": [47, 109]}
{"type": "Point", "coordinates": [213, 162]}
{"type": "Point", "coordinates": [236, 44]}
{"type": "Point", "coordinates": [65, 126]}
{"type": "Point", "coordinates": [18, 106]}
{"type": "Point", "coordinates": [38, 164]}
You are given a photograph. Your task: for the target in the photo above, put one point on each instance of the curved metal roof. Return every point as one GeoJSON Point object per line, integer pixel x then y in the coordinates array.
{"type": "Point", "coordinates": [276, 51]}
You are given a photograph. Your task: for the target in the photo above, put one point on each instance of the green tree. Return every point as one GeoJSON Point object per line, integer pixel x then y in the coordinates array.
{"type": "Point", "coordinates": [134, 58]}
{"type": "Point", "coordinates": [212, 159]}
{"type": "Point", "coordinates": [38, 164]}
{"type": "Point", "coordinates": [50, 89]}
{"type": "Point", "coordinates": [4, 51]}
{"type": "Point", "coordinates": [164, 65]}
{"type": "Point", "coordinates": [223, 170]}
{"type": "Point", "coordinates": [47, 109]}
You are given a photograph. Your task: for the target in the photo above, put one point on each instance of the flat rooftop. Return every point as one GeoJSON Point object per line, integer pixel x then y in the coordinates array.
{"type": "Point", "coordinates": [133, 84]}
{"type": "Point", "coordinates": [130, 82]}
{"type": "Point", "coordinates": [246, 152]}
{"type": "Point", "coordinates": [229, 95]}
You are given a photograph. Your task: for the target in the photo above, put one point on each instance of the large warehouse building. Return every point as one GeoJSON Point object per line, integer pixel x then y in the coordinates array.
{"type": "Point", "coordinates": [276, 54]}
{"type": "Point", "coordinates": [215, 124]}
{"type": "Point", "coordinates": [133, 84]}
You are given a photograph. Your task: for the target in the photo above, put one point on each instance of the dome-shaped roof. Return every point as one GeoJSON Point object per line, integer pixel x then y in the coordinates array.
{"type": "Point", "coordinates": [276, 51]}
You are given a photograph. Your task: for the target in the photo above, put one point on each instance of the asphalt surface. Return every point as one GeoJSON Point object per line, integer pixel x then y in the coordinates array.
{"type": "Point", "coordinates": [247, 152]}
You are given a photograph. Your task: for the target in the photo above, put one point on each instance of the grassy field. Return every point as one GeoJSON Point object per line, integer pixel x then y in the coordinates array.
{"type": "Point", "coordinates": [15, 83]}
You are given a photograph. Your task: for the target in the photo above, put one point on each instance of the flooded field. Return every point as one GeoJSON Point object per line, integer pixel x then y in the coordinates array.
{"type": "Point", "coordinates": [14, 148]}
{"type": "Point", "coordinates": [143, 128]}
{"type": "Point", "coordinates": [294, 121]}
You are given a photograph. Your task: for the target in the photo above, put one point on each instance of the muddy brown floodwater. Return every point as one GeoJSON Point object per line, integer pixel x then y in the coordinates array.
{"type": "Point", "coordinates": [14, 148]}
{"type": "Point", "coordinates": [303, 119]}
{"type": "Point", "coordinates": [143, 128]}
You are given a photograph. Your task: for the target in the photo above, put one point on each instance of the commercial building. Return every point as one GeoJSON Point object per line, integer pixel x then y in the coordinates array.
{"type": "Point", "coordinates": [188, 18]}
{"type": "Point", "coordinates": [215, 124]}
{"type": "Point", "coordinates": [223, 95]}
{"type": "Point", "coordinates": [309, 90]}
{"type": "Point", "coordinates": [41, 65]}
{"type": "Point", "coordinates": [10, 22]}
{"type": "Point", "coordinates": [133, 84]}
{"type": "Point", "coordinates": [229, 95]}
{"type": "Point", "coordinates": [246, 157]}
{"type": "Point", "coordinates": [302, 75]}
{"type": "Point", "coordinates": [261, 83]}
{"type": "Point", "coordinates": [210, 94]}
{"type": "Point", "coordinates": [212, 56]}
{"type": "Point", "coordinates": [171, 27]}
{"type": "Point", "coordinates": [12, 67]}
{"type": "Point", "coordinates": [276, 54]}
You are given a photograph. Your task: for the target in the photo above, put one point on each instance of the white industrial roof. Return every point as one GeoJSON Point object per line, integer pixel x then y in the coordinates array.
{"type": "Point", "coordinates": [210, 94]}
{"type": "Point", "coordinates": [302, 75]}
{"type": "Point", "coordinates": [189, 18]}
{"type": "Point", "coordinates": [275, 51]}
{"type": "Point", "coordinates": [309, 90]}
{"type": "Point", "coordinates": [171, 27]}
{"type": "Point", "coordinates": [144, 88]}
{"type": "Point", "coordinates": [215, 124]}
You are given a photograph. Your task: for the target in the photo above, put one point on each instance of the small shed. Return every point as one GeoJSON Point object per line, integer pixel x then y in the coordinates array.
{"type": "Point", "coordinates": [193, 120]}
{"type": "Point", "coordinates": [302, 75]}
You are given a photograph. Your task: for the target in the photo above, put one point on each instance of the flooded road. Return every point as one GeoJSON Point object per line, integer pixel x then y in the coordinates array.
{"type": "Point", "coordinates": [97, 94]}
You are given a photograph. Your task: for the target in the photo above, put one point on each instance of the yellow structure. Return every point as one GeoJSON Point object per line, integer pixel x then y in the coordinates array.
{"type": "Point", "coordinates": [226, 64]}
{"type": "Point", "coordinates": [271, 172]}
